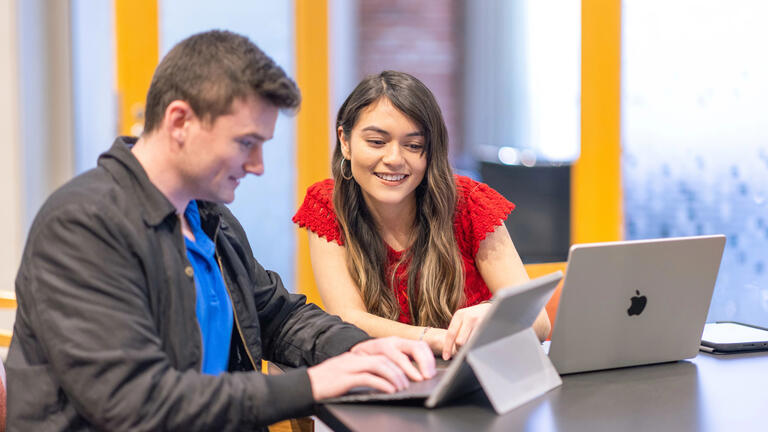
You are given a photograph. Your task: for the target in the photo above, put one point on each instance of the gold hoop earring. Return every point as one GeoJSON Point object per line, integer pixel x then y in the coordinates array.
{"type": "Point", "coordinates": [341, 169]}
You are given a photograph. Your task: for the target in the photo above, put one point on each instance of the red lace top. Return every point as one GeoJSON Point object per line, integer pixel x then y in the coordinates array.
{"type": "Point", "coordinates": [479, 210]}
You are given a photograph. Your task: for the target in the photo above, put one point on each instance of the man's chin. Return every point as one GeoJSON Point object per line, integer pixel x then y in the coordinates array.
{"type": "Point", "coordinates": [226, 198]}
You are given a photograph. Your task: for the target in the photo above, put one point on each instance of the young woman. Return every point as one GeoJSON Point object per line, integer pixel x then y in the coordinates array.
{"type": "Point", "coordinates": [401, 246]}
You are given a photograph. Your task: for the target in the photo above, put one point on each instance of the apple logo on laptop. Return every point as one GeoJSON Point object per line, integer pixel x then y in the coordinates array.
{"type": "Point", "coordinates": [638, 304]}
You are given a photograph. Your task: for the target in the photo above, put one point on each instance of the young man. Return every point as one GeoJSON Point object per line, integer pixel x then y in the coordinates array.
{"type": "Point", "coordinates": [141, 306]}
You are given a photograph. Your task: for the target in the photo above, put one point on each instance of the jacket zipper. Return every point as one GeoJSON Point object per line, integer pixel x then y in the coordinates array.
{"type": "Point", "coordinates": [234, 310]}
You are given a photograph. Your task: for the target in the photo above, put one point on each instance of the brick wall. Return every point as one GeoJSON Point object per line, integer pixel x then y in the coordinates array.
{"type": "Point", "coordinates": [422, 38]}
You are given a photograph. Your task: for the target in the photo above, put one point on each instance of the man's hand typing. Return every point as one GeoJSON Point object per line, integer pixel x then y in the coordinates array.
{"type": "Point", "coordinates": [383, 364]}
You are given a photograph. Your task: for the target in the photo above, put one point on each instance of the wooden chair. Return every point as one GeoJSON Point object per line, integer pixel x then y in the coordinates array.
{"type": "Point", "coordinates": [536, 270]}
{"type": "Point", "coordinates": [7, 301]}
{"type": "Point", "coordinates": [303, 424]}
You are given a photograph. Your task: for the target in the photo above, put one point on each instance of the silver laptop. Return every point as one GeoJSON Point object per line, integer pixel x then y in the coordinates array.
{"type": "Point", "coordinates": [634, 302]}
{"type": "Point", "coordinates": [513, 310]}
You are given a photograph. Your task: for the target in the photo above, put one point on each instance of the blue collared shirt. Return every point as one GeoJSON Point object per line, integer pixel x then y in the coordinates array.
{"type": "Point", "coordinates": [214, 307]}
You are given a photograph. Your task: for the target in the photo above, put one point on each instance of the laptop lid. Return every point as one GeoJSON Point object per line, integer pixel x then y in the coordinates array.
{"type": "Point", "coordinates": [634, 302]}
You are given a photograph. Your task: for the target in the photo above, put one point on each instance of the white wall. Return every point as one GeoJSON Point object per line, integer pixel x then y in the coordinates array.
{"type": "Point", "coordinates": [45, 101]}
{"type": "Point", "coordinates": [36, 117]}
{"type": "Point", "coordinates": [264, 205]}
{"type": "Point", "coordinates": [10, 155]}
{"type": "Point", "coordinates": [93, 80]}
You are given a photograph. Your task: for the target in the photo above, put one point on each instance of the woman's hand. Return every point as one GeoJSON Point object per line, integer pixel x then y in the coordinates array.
{"type": "Point", "coordinates": [435, 338]}
{"type": "Point", "coordinates": [462, 325]}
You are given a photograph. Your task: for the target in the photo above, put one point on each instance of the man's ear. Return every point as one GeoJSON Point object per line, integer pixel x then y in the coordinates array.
{"type": "Point", "coordinates": [344, 142]}
{"type": "Point", "coordinates": [178, 114]}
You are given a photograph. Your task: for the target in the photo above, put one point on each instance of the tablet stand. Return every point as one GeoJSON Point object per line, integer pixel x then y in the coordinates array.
{"type": "Point", "coordinates": [513, 370]}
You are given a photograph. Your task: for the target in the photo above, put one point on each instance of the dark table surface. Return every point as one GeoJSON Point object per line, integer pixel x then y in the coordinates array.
{"type": "Point", "coordinates": [707, 393]}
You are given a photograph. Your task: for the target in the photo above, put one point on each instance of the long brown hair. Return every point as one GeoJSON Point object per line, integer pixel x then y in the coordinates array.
{"type": "Point", "coordinates": [436, 272]}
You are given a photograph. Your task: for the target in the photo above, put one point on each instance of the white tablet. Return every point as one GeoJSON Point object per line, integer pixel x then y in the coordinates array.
{"type": "Point", "coordinates": [732, 336]}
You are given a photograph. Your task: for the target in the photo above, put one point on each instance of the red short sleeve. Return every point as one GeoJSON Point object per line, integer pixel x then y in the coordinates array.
{"type": "Point", "coordinates": [316, 212]}
{"type": "Point", "coordinates": [479, 211]}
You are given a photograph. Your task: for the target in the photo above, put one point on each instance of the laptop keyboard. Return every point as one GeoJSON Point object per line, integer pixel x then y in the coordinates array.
{"type": "Point", "coordinates": [417, 389]}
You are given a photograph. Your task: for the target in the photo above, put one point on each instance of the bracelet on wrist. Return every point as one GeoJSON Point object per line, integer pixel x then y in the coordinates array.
{"type": "Point", "coordinates": [423, 333]}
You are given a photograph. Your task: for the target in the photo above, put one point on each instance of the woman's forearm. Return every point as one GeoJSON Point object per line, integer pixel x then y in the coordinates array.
{"type": "Point", "coordinates": [377, 326]}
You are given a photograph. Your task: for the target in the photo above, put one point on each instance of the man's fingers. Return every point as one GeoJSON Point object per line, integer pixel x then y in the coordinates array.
{"type": "Point", "coordinates": [424, 358]}
{"type": "Point", "coordinates": [398, 375]}
{"type": "Point", "coordinates": [400, 351]}
{"type": "Point", "coordinates": [420, 352]}
{"type": "Point", "coordinates": [371, 380]}
{"type": "Point", "coordinates": [384, 368]}
{"type": "Point", "coordinates": [404, 362]}
{"type": "Point", "coordinates": [338, 375]}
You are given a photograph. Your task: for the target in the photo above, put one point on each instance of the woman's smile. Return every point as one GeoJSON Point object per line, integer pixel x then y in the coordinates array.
{"type": "Point", "coordinates": [392, 179]}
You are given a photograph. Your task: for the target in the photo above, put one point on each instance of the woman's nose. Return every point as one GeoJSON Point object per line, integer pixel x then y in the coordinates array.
{"type": "Point", "coordinates": [392, 155]}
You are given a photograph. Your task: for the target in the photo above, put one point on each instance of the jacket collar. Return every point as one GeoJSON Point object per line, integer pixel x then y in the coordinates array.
{"type": "Point", "coordinates": [210, 217]}
{"type": "Point", "coordinates": [120, 162]}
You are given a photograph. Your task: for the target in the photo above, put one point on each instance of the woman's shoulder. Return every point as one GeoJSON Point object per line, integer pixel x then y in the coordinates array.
{"type": "Point", "coordinates": [479, 210]}
{"type": "Point", "coordinates": [464, 183]}
{"type": "Point", "coordinates": [316, 211]}
{"type": "Point", "coordinates": [472, 194]}
{"type": "Point", "coordinates": [322, 190]}
{"type": "Point", "coordinates": [319, 195]}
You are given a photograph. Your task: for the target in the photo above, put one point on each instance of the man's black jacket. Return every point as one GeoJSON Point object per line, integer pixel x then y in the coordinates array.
{"type": "Point", "coordinates": [106, 335]}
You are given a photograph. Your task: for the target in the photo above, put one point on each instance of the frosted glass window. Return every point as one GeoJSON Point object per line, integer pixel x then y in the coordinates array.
{"type": "Point", "coordinates": [522, 74]}
{"type": "Point", "coordinates": [695, 136]}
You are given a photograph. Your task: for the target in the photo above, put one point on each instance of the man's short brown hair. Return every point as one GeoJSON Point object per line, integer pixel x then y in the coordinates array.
{"type": "Point", "coordinates": [210, 70]}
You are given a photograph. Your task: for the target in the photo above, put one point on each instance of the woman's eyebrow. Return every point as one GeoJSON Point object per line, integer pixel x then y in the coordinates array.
{"type": "Point", "coordinates": [375, 129]}
{"type": "Point", "coordinates": [383, 132]}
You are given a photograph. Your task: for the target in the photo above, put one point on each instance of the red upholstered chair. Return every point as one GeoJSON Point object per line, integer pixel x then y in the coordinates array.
{"type": "Point", "coordinates": [536, 270]}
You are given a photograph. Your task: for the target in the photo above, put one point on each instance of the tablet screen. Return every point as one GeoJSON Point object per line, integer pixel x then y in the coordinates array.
{"type": "Point", "coordinates": [728, 333]}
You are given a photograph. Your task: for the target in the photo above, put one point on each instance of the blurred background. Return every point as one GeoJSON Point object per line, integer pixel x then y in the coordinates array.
{"type": "Point", "coordinates": [601, 119]}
